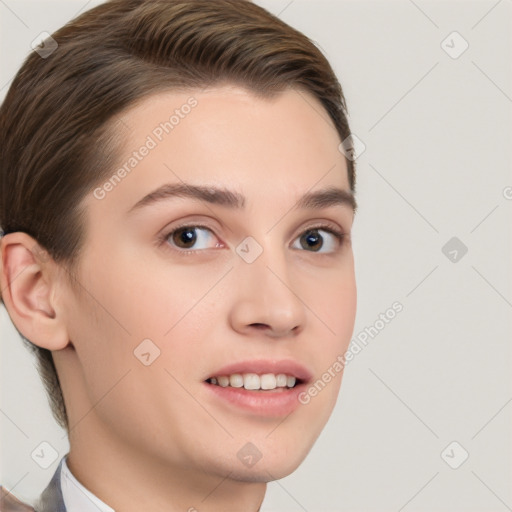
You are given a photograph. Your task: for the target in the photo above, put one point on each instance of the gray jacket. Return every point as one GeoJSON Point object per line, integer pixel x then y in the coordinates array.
{"type": "Point", "coordinates": [50, 500]}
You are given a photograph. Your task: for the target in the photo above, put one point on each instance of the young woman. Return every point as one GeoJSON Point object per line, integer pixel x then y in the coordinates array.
{"type": "Point", "coordinates": [176, 215]}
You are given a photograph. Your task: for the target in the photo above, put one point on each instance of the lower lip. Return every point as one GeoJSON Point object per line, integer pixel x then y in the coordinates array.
{"type": "Point", "coordinates": [272, 403]}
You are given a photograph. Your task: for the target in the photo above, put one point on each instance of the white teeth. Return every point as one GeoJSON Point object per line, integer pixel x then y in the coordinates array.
{"type": "Point", "coordinates": [268, 381]}
{"type": "Point", "coordinates": [253, 381]}
{"type": "Point", "coordinates": [281, 380]}
{"type": "Point", "coordinates": [236, 380]}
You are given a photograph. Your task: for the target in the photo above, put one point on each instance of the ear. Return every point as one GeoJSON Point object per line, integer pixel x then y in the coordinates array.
{"type": "Point", "coordinates": [29, 280]}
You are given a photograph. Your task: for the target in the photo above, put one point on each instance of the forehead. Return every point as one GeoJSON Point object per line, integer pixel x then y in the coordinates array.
{"type": "Point", "coordinates": [226, 136]}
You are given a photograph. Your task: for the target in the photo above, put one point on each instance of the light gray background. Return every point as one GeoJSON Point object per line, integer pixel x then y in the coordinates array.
{"type": "Point", "coordinates": [437, 164]}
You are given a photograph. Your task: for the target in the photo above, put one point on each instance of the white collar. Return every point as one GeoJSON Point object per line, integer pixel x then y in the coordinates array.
{"type": "Point", "coordinates": [76, 497]}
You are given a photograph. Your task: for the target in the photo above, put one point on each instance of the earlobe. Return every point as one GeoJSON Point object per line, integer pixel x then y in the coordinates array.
{"type": "Point", "coordinates": [28, 283]}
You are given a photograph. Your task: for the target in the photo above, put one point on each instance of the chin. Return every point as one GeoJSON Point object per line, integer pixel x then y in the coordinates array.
{"type": "Point", "coordinates": [275, 459]}
{"type": "Point", "coordinates": [264, 473]}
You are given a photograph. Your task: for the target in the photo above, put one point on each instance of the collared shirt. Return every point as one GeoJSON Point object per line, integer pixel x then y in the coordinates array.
{"type": "Point", "coordinates": [76, 497]}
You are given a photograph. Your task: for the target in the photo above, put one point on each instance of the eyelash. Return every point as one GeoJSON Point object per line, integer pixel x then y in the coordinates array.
{"type": "Point", "coordinates": [340, 236]}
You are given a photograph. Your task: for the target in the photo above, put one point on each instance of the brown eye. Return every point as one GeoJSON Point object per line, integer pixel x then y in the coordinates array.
{"type": "Point", "coordinates": [183, 237]}
{"type": "Point", "coordinates": [314, 241]}
{"type": "Point", "coordinates": [187, 237]}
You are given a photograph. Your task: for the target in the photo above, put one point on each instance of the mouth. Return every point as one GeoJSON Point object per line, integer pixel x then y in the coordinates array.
{"type": "Point", "coordinates": [265, 388]}
{"type": "Point", "coordinates": [256, 382]}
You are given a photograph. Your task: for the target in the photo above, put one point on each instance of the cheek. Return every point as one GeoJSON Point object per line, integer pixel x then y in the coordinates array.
{"type": "Point", "coordinates": [152, 300]}
{"type": "Point", "coordinates": [336, 304]}
{"type": "Point", "coordinates": [123, 389]}
{"type": "Point", "coordinates": [127, 302]}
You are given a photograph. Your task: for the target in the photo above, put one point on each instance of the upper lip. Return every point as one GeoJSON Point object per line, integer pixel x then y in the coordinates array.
{"type": "Point", "coordinates": [262, 366]}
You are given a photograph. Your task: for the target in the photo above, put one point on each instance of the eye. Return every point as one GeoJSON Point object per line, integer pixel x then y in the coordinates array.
{"type": "Point", "coordinates": [189, 239]}
{"type": "Point", "coordinates": [314, 241]}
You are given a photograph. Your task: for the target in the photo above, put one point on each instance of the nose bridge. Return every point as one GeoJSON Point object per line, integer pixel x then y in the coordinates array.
{"type": "Point", "coordinates": [266, 292]}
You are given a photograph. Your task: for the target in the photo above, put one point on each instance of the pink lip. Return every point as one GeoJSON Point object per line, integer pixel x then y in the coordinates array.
{"type": "Point", "coordinates": [271, 404]}
{"type": "Point", "coordinates": [261, 366]}
{"type": "Point", "coordinates": [278, 402]}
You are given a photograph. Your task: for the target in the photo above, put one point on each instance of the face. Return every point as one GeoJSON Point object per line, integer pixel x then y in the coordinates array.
{"type": "Point", "coordinates": [241, 280]}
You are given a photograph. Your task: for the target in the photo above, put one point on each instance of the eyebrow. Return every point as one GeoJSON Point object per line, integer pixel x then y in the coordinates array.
{"type": "Point", "coordinates": [319, 199]}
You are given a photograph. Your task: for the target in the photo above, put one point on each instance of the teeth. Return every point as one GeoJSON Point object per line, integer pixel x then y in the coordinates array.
{"type": "Point", "coordinates": [268, 381]}
{"type": "Point", "coordinates": [223, 381]}
{"type": "Point", "coordinates": [253, 381]}
{"type": "Point", "coordinates": [281, 380]}
{"type": "Point", "coordinates": [236, 380]}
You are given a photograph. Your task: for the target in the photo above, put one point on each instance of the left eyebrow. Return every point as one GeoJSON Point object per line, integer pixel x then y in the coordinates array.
{"type": "Point", "coordinates": [318, 199]}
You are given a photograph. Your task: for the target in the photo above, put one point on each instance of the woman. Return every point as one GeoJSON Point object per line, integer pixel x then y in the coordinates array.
{"type": "Point", "coordinates": [177, 201]}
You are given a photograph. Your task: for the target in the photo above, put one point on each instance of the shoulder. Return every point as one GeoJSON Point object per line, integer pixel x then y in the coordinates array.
{"type": "Point", "coordinates": [50, 500]}
{"type": "Point", "coordinates": [9, 502]}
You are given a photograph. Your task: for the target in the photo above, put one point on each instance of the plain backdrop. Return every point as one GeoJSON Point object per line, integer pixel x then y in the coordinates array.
{"type": "Point", "coordinates": [433, 387]}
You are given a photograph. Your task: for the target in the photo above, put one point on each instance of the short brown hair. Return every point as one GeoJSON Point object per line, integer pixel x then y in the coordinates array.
{"type": "Point", "coordinates": [55, 145]}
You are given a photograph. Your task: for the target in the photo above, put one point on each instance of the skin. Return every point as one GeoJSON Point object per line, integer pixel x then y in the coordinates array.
{"type": "Point", "coordinates": [151, 437]}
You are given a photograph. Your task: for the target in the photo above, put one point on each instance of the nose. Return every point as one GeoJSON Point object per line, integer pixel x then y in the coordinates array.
{"type": "Point", "coordinates": [267, 299]}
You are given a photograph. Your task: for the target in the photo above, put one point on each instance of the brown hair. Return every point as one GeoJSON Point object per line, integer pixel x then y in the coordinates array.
{"type": "Point", "coordinates": [56, 141]}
